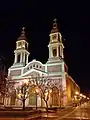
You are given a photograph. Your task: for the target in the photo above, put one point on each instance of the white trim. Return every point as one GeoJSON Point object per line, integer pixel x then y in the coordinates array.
{"type": "Point", "coordinates": [46, 68]}
{"type": "Point", "coordinates": [55, 33]}
{"type": "Point", "coordinates": [28, 72]}
{"type": "Point", "coordinates": [53, 64]}
{"type": "Point", "coordinates": [34, 60]}
{"type": "Point", "coordinates": [21, 41]}
{"type": "Point", "coordinates": [22, 70]}
{"type": "Point", "coordinates": [9, 72]}
{"type": "Point", "coordinates": [21, 50]}
{"type": "Point", "coordinates": [15, 68]}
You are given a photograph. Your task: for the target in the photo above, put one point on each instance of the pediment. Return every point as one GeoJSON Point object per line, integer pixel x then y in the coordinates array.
{"type": "Point", "coordinates": [34, 65]}
{"type": "Point", "coordinates": [34, 72]}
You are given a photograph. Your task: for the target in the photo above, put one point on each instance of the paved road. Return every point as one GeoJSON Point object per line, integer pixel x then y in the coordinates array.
{"type": "Point", "coordinates": [70, 113]}
{"type": "Point", "coordinates": [79, 113]}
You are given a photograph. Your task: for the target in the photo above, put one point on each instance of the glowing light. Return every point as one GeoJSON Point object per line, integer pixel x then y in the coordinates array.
{"type": "Point", "coordinates": [87, 98]}
{"type": "Point", "coordinates": [19, 95]}
{"type": "Point", "coordinates": [25, 81]}
{"type": "Point", "coordinates": [81, 95]}
{"type": "Point", "coordinates": [50, 91]}
{"type": "Point", "coordinates": [84, 96]}
{"type": "Point", "coordinates": [77, 93]}
{"type": "Point", "coordinates": [46, 93]}
{"type": "Point", "coordinates": [75, 96]}
{"type": "Point", "coordinates": [36, 90]}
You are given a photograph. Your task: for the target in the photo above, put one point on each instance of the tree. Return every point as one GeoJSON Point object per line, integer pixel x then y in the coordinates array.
{"type": "Point", "coordinates": [42, 88]}
{"type": "Point", "coordinates": [3, 75]}
{"type": "Point", "coordinates": [9, 89]}
{"type": "Point", "coordinates": [23, 91]}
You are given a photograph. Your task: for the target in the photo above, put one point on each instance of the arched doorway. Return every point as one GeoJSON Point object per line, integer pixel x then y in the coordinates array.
{"type": "Point", "coordinates": [32, 96]}
{"type": "Point", "coordinates": [55, 96]}
{"type": "Point", "coordinates": [32, 100]}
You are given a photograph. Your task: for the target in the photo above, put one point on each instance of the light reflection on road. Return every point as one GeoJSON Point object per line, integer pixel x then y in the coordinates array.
{"type": "Point", "coordinates": [80, 113]}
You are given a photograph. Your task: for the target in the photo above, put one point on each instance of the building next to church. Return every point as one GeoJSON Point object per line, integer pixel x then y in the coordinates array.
{"type": "Point", "coordinates": [55, 68]}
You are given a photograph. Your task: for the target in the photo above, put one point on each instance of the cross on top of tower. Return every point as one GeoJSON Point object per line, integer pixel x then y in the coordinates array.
{"type": "Point", "coordinates": [55, 20]}
{"type": "Point", "coordinates": [23, 35]}
{"type": "Point", "coordinates": [23, 28]}
{"type": "Point", "coordinates": [23, 31]}
{"type": "Point", "coordinates": [55, 26]}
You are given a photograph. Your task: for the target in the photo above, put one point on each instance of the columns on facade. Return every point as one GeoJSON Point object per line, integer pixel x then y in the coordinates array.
{"type": "Point", "coordinates": [24, 57]}
{"type": "Point", "coordinates": [15, 58]}
{"type": "Point", "coordinates": [49, 53]}
{"type": "Point", "coordinates": [57, 52]}
{"type": "Point", "coordinates": [21, 58]}
{"type": "Point", "coordinates": [60, 51]}
{"type": "Point", "coordinates": [27, 60]}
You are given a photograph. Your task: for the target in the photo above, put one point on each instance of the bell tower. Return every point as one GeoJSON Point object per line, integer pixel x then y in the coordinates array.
{"type": "Point", "coordinates": [21, 52]}
{"type": "Point", "coordinates": [55, 45]}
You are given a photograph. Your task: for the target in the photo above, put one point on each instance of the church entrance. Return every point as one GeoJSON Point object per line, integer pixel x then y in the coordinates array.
{"type": "Point", "coordinates": [32, 99]}
{"type": "Point", "coordinates": [55, 96]}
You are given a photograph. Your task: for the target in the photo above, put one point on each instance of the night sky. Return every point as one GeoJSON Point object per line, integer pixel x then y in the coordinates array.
{"type": "Point", "coordinates": [74, 23]}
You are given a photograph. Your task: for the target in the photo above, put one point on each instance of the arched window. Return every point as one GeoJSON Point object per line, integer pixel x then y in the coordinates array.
{"type": "Point", "coordinates": [27, 68]}
{"type": "Point", "coordinates": [26, 46]}
{"type": "Point", "coordinates": [18, 58]}
{"type": "Point", "coordinates": [54, 52]}
{"type": "Point", "coordinates": [34, 65]}
{"type": "Point", "coordinates": [30, 67]}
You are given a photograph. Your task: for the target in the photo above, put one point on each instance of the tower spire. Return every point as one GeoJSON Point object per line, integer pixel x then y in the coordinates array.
{"type": "Point", "coordinates": [55, 44]}
{"type": "Point", "coordinates": [23, 31]}
{"type": "Point", "coordinates": [23, 35]}
{"type": "Point", "coordinates": [55, 26]}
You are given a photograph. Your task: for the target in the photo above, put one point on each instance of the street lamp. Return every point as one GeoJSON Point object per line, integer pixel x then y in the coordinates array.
{"type": "Point", "coordinates": [76, 95]}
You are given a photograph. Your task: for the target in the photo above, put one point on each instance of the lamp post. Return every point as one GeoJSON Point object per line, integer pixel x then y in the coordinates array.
{"type": "Point", "coordinates": [76, 95]}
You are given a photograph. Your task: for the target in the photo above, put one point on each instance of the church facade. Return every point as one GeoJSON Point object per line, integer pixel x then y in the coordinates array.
{"type": "Point", "coordinates": [55, 68]}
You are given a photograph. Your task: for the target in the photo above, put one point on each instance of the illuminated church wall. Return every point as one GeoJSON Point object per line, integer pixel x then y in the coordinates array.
{"type": "Point", "coordinates": [55, 67]}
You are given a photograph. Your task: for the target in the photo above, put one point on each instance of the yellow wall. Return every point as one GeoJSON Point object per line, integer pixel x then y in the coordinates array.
{"type": "Point", "coordinates": [71, 88]}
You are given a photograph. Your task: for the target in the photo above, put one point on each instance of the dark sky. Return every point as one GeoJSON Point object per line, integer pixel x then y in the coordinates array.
{"type": "Point", "coordinates": [37, 16]}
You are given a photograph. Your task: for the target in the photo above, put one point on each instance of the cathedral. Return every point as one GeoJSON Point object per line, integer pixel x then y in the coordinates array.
{"type": "Point", "coordinates": [55, 68]}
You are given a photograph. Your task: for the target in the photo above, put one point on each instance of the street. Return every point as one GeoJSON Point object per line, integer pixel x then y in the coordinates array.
{"type": "Point", "coordinates": [79, 113]}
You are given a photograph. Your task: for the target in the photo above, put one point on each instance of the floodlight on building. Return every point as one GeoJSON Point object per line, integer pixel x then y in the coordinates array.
{"type": "Point", "coordinates": [46, 93]}
{"type": "Point", "coordinates": [37, 90]}
{"type": "Point", "coordinates": [25, 81]}
{"type": "Point", "coordinates": [50, 91]}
